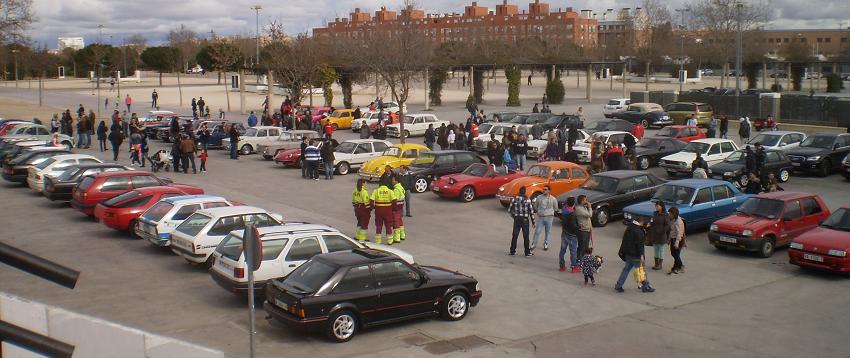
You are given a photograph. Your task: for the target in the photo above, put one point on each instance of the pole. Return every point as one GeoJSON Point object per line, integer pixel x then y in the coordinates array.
{"type": "Point", "coordinates": [118, 81]}
{"type": "Point", "coordinates": [471, 74]}
{"type": "Point", "coordinates": [15, 52]}
{"type": "Point", "coordinates": [270, 92]}
{"type": "Point", "coordinates": [682, 58]}
{"type": "Point", "coordinates": [738, 51]}
{"type": "Point", "coordinates": [241, 93]}
{"type": "Point", "coordinates": [179, 90]}
{"type": "Point", "coordinates": [250, 270]}
{"type": "Point", "coordinates": [427, 102]}
{"type": "Point", "coordinates": [257, 9]}
{"type": "Point", "coordinates": [97, 78]}
{"type": "Point", "coordinates": [40, 89]}
{"type": "Point", "coordinates": [226, 91]}
{"type": "Point", "coordinates": [587, 85]}
{"type": "Point", "coordinates": [624, 80]}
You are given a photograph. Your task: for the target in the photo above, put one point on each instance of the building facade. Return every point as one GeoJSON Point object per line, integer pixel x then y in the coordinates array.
{"type": "Point", "coordinates": [506, 23]}
{"type": "Point", "coordinates": [823, 43]}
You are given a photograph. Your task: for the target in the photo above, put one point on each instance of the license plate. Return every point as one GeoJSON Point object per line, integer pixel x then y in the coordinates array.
{"type": "Point", "coordinates": [728, 239]}
{"type": "Point", "coordinates": [811, 257]}
{"type": "Point", "coordinates": [281, 304]}
{"type": "Point", "coordinates": [795, 164]}
{"type": "Point", "coordinates": [223, 264]}
{"type": "Point", "coordinates": [436, 188]}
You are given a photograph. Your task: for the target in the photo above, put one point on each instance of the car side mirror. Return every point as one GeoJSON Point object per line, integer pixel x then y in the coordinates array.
{"type": "Point", "coordinates": [836, 146]}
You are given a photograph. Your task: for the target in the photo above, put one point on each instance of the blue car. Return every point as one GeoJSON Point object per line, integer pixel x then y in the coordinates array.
{"type": "Point", "coordinates": [700, 201]}
{"type": "Point", "coordinates": [220, 131]}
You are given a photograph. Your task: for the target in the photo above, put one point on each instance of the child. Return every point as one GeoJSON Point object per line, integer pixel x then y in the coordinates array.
{"type": "Point", "coordinates": [589, 265]}
{"type": "Point", "coordinates": [134, 154]}
{"type": "Point", "coordinates": [203, 157]}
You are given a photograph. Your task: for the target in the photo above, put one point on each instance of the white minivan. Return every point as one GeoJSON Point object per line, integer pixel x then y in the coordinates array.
{"type": "Point", "coordinates": [158, 222]}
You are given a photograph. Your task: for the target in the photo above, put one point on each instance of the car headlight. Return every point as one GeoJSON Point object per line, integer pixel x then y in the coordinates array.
{"type": "Point", "coordinates": [627, 216]}
{"type": "Point", "coordinates": [713, 227]}
{"type": "Point", "coordinates": [796, 245]}
{"type": "Point", "coordinates": [728, 174]}
{"type": "Point", "coordinates": [813, 159]}
{"type": "Point", "coordinates": [477, 286]}
{"type": "Point", "coordinates": [839, 253]}
{"type": "Point", "coordinates": [747, 232]}
{"type": "Point", "coordinates": [501, 190]}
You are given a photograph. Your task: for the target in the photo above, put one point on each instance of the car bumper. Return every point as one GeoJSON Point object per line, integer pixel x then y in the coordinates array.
{"type": "Point", "coordinates": [57, 195]}
{"type": "Point", "coordinates": [661, 123]}
{"type": "Point", "coordinates": [15, 178]}
{"type": "Point", "coordinates": [369, 176]}
{"type": "Point", "coordinates": [818, 261]}
{"type": "Point", "coordinates": [188, 255]}
{"type": "Point", "coordinates": [505, 200]}
{"type": "Point", "coordinates": [163, 240]}
{"type": "Point", "coordinates": [85, 208]}
{"type": "Point", "coordinates": [675, 168]}
{"type": "Point", "coordinates": [291, 321]}
{"type": "Point", "coordinates": [734, 241]}
{"type": "Point", "coordinates": [446, 191]}
{"type": "Point", "coordinates": [807, 166]}
{"type": "Point", "coordinates": [234, 286]}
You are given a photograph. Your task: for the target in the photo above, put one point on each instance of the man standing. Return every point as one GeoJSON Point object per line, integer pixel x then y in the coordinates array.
{"type": "Point", "coordinates": [154, 98]}
{"type": "Point", "coordinates": [194, 107]}
{"type": "Point", "coordinates": [383, 200]}
{"type": "Point", "coordinates": [712, 127]}
{"type": "Point", "coordinates": [187, 148]}
{"type": "Point", "coordinates": [128, 101]}
{"type": "Point", "coordinates": [632, 252]}
{"type": "Point", "coordinates": [583, 213]}
{"type": "Point", "coordinates": [545, 206]}
{"type": "Point", "coordinates": [328, 159]}
{"type": "Point", "coordinates": [430, 136]}
{"type": "Point", "coordinates": [201, 106]}
{"type": "Point", "coordinates": [569, 225]}
{"type": "Point", "coordinates": [724, 126]}
{"type": "Point", "coordinates": [520, 210]}
{"type": "Point", "coordinates": [252, 119]}
{"type": "Point", "coordinates": [406, 179]}
{"type": "Point", "coordinates": [692, 120]}
{"type": "Point", "coordinates": [234, 142]}
{"type": "Point", "coordinates": [744, 130]}
{"type": "Point", "coordinates": [312, 157]}
{"type": "Point", "coordinates": [303, 160]}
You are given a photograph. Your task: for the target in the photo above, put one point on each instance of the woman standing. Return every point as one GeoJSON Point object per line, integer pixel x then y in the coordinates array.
{"type": "Point", "coordinates": [677, 240]}
{"type": "Point", "coordinates": [551, 151]}
{"type": "Point", "coordinates": [101, 135]}
{"type": "Point", "coordinates": [116, 136]}
{"type": "Point", "coordinates": [658, 233]}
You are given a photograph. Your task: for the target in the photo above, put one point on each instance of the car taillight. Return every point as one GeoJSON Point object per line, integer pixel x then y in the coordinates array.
{"type": "Point", "coordinates": [238, 272]}
{"type": "Point", "coordinates": [85, 195]}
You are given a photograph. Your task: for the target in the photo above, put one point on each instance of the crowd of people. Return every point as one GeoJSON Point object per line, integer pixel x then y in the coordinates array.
{"type": "Point", "coordinates": [390, 201]}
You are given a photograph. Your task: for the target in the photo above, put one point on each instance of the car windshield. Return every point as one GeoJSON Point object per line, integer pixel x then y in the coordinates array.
{"type": "Point", "coordinates": [392, 152]}
{"type": "Point", "coordinates": [520, 119]}
{"type": "Point", "coordinates": [345, 147]}
{"type": "Point", "coordinates": [484, 128]}
{"type": "Point", "coordinates": [769, 140]}
{"type": "Point", "coordinates": [424, 160]}
{"type": "Point", "coordinates": [45, 163]}
{"type": "Point", "coordinates": [194, 224]}
{"type": "Point", "coordinates": [230, 247]}
{"type": "Point", "coordinates": [613, 102]}
{"type": "Point", "coordinates": [157, 211]}
{"type": "Point", "coordinates": [598, 126]}
{"type": "Point", "coordinates": [768, 208]}
{"type": "Point", "coordinates": [649, 143]}
{"type": "Point", "coordinates": [251, 132]}
{"type": "Point", "coordinates": [667, 132]}
{"type": "Point", "coordinates": [121, 197]}
{"type": "Point", "coordinates": [539, 171]}
{"type": "Point", "coordinates": [736, 157]}
{"type": "Point", "coordinates": [601, 183]}
{"type": "Point", "coordinates": [68, 174]}
{"type": "Point", "coordinates": [310, 276]}
{"type": "Point", "coordinates": [674, 194]}
{"type": "Point", "coordinates": [552, 121]}
{"type": "Point", "coordinates": [696, 147]}
{"type": "Point", "coordinates": [818, 141]}
{"type": "Point", "coordinates": [839, 220]}
{"type": "Point", "coordinates": [476, 170]}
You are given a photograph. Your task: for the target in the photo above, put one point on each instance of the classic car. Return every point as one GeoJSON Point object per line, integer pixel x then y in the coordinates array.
{"type": "Point", "coordinates": [292, 245]}
{"type": "Point", "coordinates": [157, 222]}
{"type": "Point", "coordinates": [537, 147]}
{"type": "Point", "coordinates": [352, 153]}
{"type": "Point", "coordinates": [679, 112]}
{"type": "Point", "coordinates": [607, 137]}
{"type": "Point", "coordinates": [820, 153]}
{"type": "Point", "coordinates": [54, 166]}
{"type": "Point", "coordinates": [340, 118]}
{"type": "Point", "coordinates": [17, 169]}
{"type": "Point", "coordinates": [609, 192]}
{"type": "Point", "coordinates": [682, 132]}
{"type": "Point", "coordinates": [779, 140]}
{"type": "Point", "coordinates": [650, 150]}
{"type": "Point", "coordinates": [700, 201]}
{"type": "Point", "coordinates": [733, 167]}
{"type": "Point", "coordinates": [221, 131]}
{"type": "Point", "coordinates": [713, 150]}
{"type": "Point", "coordinates": [342, 292]}
{"type": "Point", "coordinates": [415, 125]}
{"type": "Point", "coordinates": [316, 113]}
{"type": "Point", "coordinates": [615, 105]}
{"type": "Point", "coordinates": [475, 181]}
{"type": "Point", "coordinates": [395, 157]}
{"type": "Point", "coordinates": [197, 236]}
{"type": "Point", "coordinates": [498, 130]}
{"type": "Point", "coordinates": [290, 139]}
{"type": "Point", "coordinates": [609, 125]}
{"type": "Point", "coordinates": [252, 138]}
{"type": "Point", "coordinates": [502, 116]}
{"type": "Point", "coordinates": [98, 187]}
{"type": "Point", "coordinates": [37, 132]}
{"type": "Point", "coordinates": [59, 188]}
{"type": "Point", "coordinates": [561, 177]}
{"type": "Point", "coordinates": [432, 165]}
{"type": "Point", "coordinates": [825, 247]}
{"type": "Point", "coordinates": [121, 212]}
{"type": "Point", "coordinates": [767, 221]}
{"type": "Point", "coordinates": [369, 117]}
{"type": "Point", "coordinates": [634, 112]}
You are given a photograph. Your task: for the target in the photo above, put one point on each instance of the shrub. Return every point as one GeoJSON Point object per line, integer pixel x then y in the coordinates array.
{"type": "Point", "coordinates": [555, 90]}
{"type": "Point", "coordinates": [436, 79]}
{"type": "Point", "coordinates": [514, 76]}
{"type": "Point", "coordinates": [834, 84]}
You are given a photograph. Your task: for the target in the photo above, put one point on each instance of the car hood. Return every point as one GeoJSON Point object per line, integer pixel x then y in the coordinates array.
{"type": "Point", "coordinates": [593, 196]}
{"type": "Point", "coordinates": [293, 152]}
{"type": "Point", "coordinates": [740, 221]}
{"type": "Point", "coordinates": [459, 179]}
{"type": "Point", "coordinates": [723, 167]}
{"type": "Point", "coordinates": [512, 188]}
{"type": "Point", "coordinates": [824, 239]}
{"type": "Point", "coordinates": [645, 150]}
{"type": "Point", "coordinates": [686, 157]}
{"type": "Point", "coordinates": [807, 151]}
{"type": "Point", "coordinates": [440, 274]}
{"type": "Point", "coordinates": [379, 163]}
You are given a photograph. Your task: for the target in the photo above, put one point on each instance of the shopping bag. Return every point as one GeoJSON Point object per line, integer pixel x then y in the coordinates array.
{"type": "Point", "coordinates": [640, 274]}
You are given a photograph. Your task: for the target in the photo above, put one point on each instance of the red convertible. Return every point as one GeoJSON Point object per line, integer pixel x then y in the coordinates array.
{"type": "Point", "coordinates": [121, 212]}
{"type": "Point", "coordinates": [825, 247]}
{"type": "Point", "coordinates": [477, 180]}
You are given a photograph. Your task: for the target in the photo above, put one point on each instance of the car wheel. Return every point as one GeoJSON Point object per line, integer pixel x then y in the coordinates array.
{"type": "Point", "coordinates": [825, 168]}
{"type": "Point", "coordinates": [600, 217]}
{"type": "Point", "coordinates": [343, 168]}
{"type": "Point", "coordinates": [784, 175]}
{"type": "Point", "coordinates": [68, 146]}
{"type": "Point", "coordinates": [467, 194]}
{"type": "Point", "coordinates": [406, 133]}
{"type": "Point", "coordinates": [455, 306]}
{"type": "Point", "coordinates": [766, 248]}
{"type": "Point", "coordinates": [133, 226]}
{"type": "Point", "coordinates": [420, 185]}
{"type": "Point", "coordinates": [246, 149]}
{"type": "Point", "coordinates": [644, 123]}
{"type": "Point", "coordinates": [743, 180]}
{"type": "Point", "coordinates": [643, 163]}
{"type": "Point", "coordinates": [341, 327]}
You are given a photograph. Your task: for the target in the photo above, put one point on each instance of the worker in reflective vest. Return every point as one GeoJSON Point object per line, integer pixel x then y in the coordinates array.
{"type": "Point", "coordinates": [362, 203]}
{"type": "Point", "coordinates": [383, 199]}
{"type": "Point", "coordinates": [398, 210]}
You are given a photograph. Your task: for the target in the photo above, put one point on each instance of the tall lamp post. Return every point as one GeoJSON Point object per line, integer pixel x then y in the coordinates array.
{"type": "Point", "coordinates": [682, 57]}
{"type": "Point", "coordinates": [738, 43]}
{"type": "Point", "coordinates": [257, 9]}
{"type": "Point", "coordinates": [15, 53]}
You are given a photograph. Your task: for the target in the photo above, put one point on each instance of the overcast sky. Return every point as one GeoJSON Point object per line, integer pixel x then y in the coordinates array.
{"type": "Point", "coordinates": [154, 18]}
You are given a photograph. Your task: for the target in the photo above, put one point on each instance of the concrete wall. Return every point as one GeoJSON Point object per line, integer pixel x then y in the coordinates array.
{"type": "Point", "coordinates": [91, 337]}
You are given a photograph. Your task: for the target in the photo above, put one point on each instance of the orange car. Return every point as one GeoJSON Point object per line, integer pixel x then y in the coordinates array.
{"type": "Point", "coordinates": [560, 176]}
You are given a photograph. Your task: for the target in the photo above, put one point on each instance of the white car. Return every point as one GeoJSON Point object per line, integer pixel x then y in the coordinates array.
{"type": "Point", "coordinates": [158, 222]}
{"type": "Point", "coordinates": [615, 105]}
{"type": "Point", "coordinates": [252, 138]}
{"type": "Point", "coordinates": [537, 147]}
{"type": "Point", "coordinates": [370, 117]}
{"type": "Point", "coordinates": [498, 131]}
{"type": "Point", "coordinates": [290, 139]}
{"type": "Point", "coordinates": [197, 236]}
{"type": "Point", "coordinates": [415, 125]}
{"type": "Point", "coordinates": [583, 148]}
{"type": "Point", "coordinates": [713, 151]}
{"type": "Point", "coordinates": [352, 153]}
{"type": "Point", "coordinates": [779, 140]}
{"type": "Point", "coordinates": [285, 247]}
{"type": "Point", "coordinates": [55, 166]}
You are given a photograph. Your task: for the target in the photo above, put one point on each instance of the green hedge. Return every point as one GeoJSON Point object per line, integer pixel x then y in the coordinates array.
{"type": "Point", "coordinates": [514, 76]}
{"type": "Point", "coordinates": [555, 90]}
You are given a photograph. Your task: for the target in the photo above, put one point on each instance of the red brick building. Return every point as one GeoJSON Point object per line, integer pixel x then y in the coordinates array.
{"type": "Point", "coordinates": [507, 22]}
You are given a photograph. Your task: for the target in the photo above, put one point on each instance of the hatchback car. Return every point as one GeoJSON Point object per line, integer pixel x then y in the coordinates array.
{"type": "Point", "coordinates": [561, 177]}
{"type": "Point", "coordinates": [121, 212]}
{"type": "Point", "coordinates": [779, 140]}
{"type": "Point", "coordinates": [682, 132]}
{"type": "Point", "coordinates": [55, 166]}
{"type": "Point", "coordinates": [96, 188]}
{"type": "Point", "coordinates": [825, 247]}
{"type": "Point", "coordinates": [733, 168]}
{"type": "Point", "coordinates": [157, 222]}
{"type": "Point", "coordinates": [431, 165]}
{"type": "Point", "coordinates": [700, 201]}
{"type": "Point", "coordinates": [477, 180]}
{"type": "Point", "coordinates": [606, 137]}
{"type": "Point", "coordinates": [60, 188]}
{"type": "Point", "coordinates": [340, 118]}
{"type": "Point", "coordinates": [352, 153]}
{"type": "Point", "coordinates": [615, 105]}
{"type": "Point", "coordinates": [342, 292]}
{"type": "Point", "coordinates": [820, 153]}
{"type": "Point", "coordinates": [713, 151]}
{"type": "Point", "coordinates": [609, 192]}
{"type": "Point", "coordinates": [17, 169]}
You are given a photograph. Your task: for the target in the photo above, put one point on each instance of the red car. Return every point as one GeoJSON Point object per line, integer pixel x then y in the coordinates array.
{"type": "Point", "coordinates": [682, 133]}
{"type": "Point", "coordinates": [289, 158]}
{"type": "Point", "coordinates": [766, 221]}
{"type": "Point", "coordinates": [120, 212]}
{"type": "Point", "coordinates": [6, 127]}
{"type": "Point", "coordinates": [477, 180]}
{"type": "Point", "coordinates": [825, 247]}
{"type": "Point", "coordinates": [96, 188]}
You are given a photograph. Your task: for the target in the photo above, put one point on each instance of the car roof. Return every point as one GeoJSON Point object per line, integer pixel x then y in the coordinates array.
{"type": "Point", "coordinates": [297, 131]}
{"type": "Point", "coordinates": [158, 189]}
{"type": "Point", "coordinates": [620, 174]}
{"type": "Point", "coordinates": [98, 165]}
{"type": "Point", "coordinates": [407, 146]}
{"type": "Point", "coordinates": [780, 132]}
{"type": "Point", "coordinates": [619, 99]}
{"type": "Point", "coordinates": [785, 195]}
{"type": "Point", "coordinates": [291, 229]}
{"type": "Point", "coordinates": [827, 134]}
{"type": "Point", "coordinates": [191, 199]}
{"type": "Point", "coordinates": [644, 103]}
{"type": "Point", "coordinates": [46, 149]}
{"type": "Point", "coordinates": [72, 156]}
{"type": "Point", "coordinates": [711, 140]}
{"type": "Point", "coordinates": [123, 173]}
{"type": "Point", "coordinates": [558, 164]}
{"type": "Point", "coordinates": [697, 183]}
{"type": "Point", "coordinates": [232, 210]}
{"type": "Point", "coordinates": [357, 257]}
{"type": "Point", "coordinates": [609, 133]}
{"type": "Point", "coordinates": [694, 103]}
{"type": "Point", "coordinates": [266, 127]}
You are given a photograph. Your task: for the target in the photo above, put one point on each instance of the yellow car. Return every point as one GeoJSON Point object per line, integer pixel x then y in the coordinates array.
{"type": "Point", "coordinates": [395, 156]}
{"type": "Point", "coordinates": [340, 118]}
{"type": "Point", "coordinates": [679, 112]}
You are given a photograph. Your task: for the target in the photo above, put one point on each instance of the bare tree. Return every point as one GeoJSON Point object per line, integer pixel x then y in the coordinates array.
{"type": "Point", "coordinates": [295, 64]}
{"type": "Point", "coordinates": [222, 57]}
{"type": "Point", "coordinates": [653, 33]}
{"type": "Point", "coordinates": [719, 19]}
{"type": "Point", "coordinates": [16, 17]}
{"type": "Point", "coordinates": [187, 41]}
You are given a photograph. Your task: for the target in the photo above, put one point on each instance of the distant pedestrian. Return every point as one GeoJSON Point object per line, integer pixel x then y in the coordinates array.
{"type": "Point", "coordinates": [221, 114]}
{"type": "Point", "coordinates": [632, 253]}
{"type": "Point", "coordinates": [361, 201]}
{"type": "Point", "coordinates": [154, 98]}
{"type": "Point", "coordinates": [106, 103]}
{"type": "Point", "coordinates": [327, 153]}
{"type": "Point", "coordinates": [520, 210]}
{"type": "Point", "coordinates": [724, 127]}
{"type": "Point", "coordinates": [529, 81]}
{"type": "Point", "coordinates": [234, 142]}
{"type": "Point", "coordinates": [744, 130]}
{"type": "Point", "coordinates": [203, 158]}
{"type": "Point", "coordinates": [101, 135]}
{"type": "Point", "coordinates": [692, 120]}
{"type": "Point", "coordinates": [115, 138]}
{"type": "Point", "coordinates": [712, 127]}
{"type": "Point", "coordinates": [677, 241]}
{"type": "Point", "coordinates": [583, 212]}
{"type": "Point", "coordinates": [129, 102]}
{"type": "Point", "coordinates": [201, 106]}
{"type": "Point", "coordinates": [252, 119]}
{"type": "Point", "coordinates": [535, 109]}
{"type": "Point", "coordinates": [430, 136]}
{"type": "Point", "coordinates": [194, 107]}
{"type": "Point", "coordinates": [187, 148]}
{"type": "Point", "coordinates": [111, 84]}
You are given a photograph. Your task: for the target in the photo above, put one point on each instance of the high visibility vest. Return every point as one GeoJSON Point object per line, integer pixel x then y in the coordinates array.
{"type": "Point", "coordinates": [360, 196]}
{"type": "Point", "coordinates": [383, 196]}
{"type": "Point", "coordinates": [398, 189]}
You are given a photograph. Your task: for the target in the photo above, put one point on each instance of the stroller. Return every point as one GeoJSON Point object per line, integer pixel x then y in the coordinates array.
{"type": "Point", "coordinates": [160, 160]}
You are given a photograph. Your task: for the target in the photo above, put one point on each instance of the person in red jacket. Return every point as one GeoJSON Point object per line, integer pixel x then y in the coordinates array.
{"type": "Point", "coordinates": [637, 131]}
{"type": "Point", "coordinates": [328, 129]}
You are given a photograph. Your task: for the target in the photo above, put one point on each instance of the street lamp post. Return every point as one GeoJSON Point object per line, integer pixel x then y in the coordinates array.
{"type": "Point", "coordinates": [15, 52]}
{"type": "Point", "coordinates": [738, 50]}
{"type": "Point", "coordinates": [99, 33]}
{"type": "Point", "coordinates": [257, 9]}
{"type": "Point", "coordinates": [682, 57]}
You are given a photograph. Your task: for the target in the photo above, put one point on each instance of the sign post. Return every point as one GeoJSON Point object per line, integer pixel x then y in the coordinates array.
{"type": "Point", "coordinates": [252, 248]}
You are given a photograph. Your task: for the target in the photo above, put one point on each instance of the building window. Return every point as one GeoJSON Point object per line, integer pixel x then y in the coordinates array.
{"type": "Point", "coordinates": [827, 39]}
{"type": "Point", "coordinates": [786, 40]}
{"type": "Point", "coordinates": [820, 40]}
{"type": "Point", "coordinates": [843, 40]}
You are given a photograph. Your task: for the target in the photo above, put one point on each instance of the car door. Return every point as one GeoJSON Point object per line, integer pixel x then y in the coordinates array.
{"type": "Point", "coordinates": [377, 149]}
{"type": "Point", "coordinates": [271, 266]}
{"type": "Point", "coordinates": [703, 209]}
{"type": "Point", "coordinates": [444, 164]}
{"type": "Point", "coordinates": [724, 201]}
{"type": "Point", "coordinates": [358, 287]}
{"type": "Point", "coordinates": [714, 154]}
{"type": "Point", "coordinates": [773, 162]}
{"type": "Point", "coordinates": [792, 220]}
{"type": "Point", "coordinates": [560, 181]}
{"type": "Point", "coordinates": [398, 290]}
{"type": "Point", "coordinates": [837, 155]}
{"type": "Point", "coordinates": [300, 250]}
{"type": "Point", "coordinates": [624, 195]}
{"type": "Point", "coordinates": [812, 214]}
{"type": "Point", "coordinates": [362, 152]}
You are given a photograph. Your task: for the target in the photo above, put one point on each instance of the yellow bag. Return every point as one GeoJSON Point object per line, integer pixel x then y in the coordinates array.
{"type": "Point", "coordinates": [640, 274]}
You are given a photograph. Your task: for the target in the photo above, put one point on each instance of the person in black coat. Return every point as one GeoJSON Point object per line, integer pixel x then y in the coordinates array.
{"type": "Point", "coordinates": [632, 253]}
{"type": "Point", "coordinates": [116, 137]}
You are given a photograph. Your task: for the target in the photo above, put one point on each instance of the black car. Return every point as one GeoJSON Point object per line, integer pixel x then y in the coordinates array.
{"type": "Point", "coordinates": [609, 192]}
{"type": "Point", "coordinates": [732, 168]}
{"type": "Point", "coordinates": [341, 292]}
{"type": "Point", "coordinates": [16, 170]}
{"type": "Point", "coordinates": [501, 116]}
{"type": "Point", "coordinates": [609, 125]}
{"type": "Point", "coordinates": [530, 118]}
{"type": "Point", "coordinates": [820, 153]}
{"type": "Point", "coordinates": [431, 165]}
{"type": "Point", "coordinates": [650, 150]}
{"type": "Point", "coordinates": [59, 188]}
